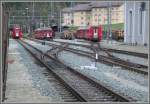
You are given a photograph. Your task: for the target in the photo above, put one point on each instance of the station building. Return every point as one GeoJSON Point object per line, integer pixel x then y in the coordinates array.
{"type": "Point", "coordinates": [136, 28]}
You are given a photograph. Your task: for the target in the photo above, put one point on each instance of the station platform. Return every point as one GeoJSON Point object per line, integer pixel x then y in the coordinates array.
{"type": "Point", "coordinates": [123, 46]}
{"type": "Point", "coordinates": [19, 84]}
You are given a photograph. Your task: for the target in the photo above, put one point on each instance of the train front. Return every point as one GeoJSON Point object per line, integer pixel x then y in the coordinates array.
{"type": "Point", "coordinates": [16, 34]}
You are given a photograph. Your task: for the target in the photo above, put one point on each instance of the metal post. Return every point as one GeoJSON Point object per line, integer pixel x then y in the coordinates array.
{"type": "Point", "coordinates": [110, 33]}
{"type": "Point", "coordinates": [48, 20]}
{"type": "Point", "coordinates": [32, 16]}
{"type": "Point", "coordinates": [33, 11]}
{"type": "Point", "coordinates": [13, 20]}
{"type": "Point", "coordinates": [107, 22]}
{"type": "Point", "coordinates": [60, 20]}
{"type": "Point", "coordinates": [71, 13]}
{"type": "Point", "coordinates": [96, 58]}
{"type": "Point", "coordinates": [51, 13]}
{"type": "Point", "coordinates": [27, 20]}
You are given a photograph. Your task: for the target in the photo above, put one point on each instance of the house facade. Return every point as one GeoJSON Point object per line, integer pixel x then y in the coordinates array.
{"type": "Point", "coordinates": [95, 13]}
{"type": "Point", "coordinates": [67, 16]}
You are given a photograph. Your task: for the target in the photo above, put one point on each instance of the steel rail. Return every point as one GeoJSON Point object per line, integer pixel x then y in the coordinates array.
{"type": "Point", "coordinates": [106, 60]}
{"type": "Point", "coordinates": [83, 78]}
{"type": "Point", "coordinates": [142, 55]}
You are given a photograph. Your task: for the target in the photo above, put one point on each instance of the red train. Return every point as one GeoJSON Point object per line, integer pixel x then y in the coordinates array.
{"type": "Point", "coordinates": [93, 33]}
{"type": "Point", "coordinates": [16, 32]}
{"type": "Point", "coordinates": [44, 33]}
{"type": "Point", "coordinates": [81, 32]}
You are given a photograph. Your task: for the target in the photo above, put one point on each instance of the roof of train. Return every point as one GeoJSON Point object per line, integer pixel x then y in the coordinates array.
{"type": "Point", "coordinates": [83, 28]}
{"type": "Point", "coordinates": [39, 29]}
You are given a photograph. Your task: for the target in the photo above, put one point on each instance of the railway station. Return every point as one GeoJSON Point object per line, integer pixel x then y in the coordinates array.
{"type": "Point", "coordinates": [73, 51]}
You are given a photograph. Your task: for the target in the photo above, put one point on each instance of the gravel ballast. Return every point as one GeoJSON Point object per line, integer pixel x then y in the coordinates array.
{"type": "Point", "coordinates": [127, 82]}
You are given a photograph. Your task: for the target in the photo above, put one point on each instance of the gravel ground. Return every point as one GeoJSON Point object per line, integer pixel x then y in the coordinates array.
{"type": "Point", "coordinates": [80, 48]}
{"type": "Point", "coordinates": [39, 81]}
{"type": "Point", "coordinates": [53, 42]}
{"type": "Point", "coordinates": [131, 58]}
{"type": "Point", "coordinates": [75, 41]}
{"type": "Point", "coordinates": [120, 80]}
{"type": "Point", "coordinates": [129, 83]}
{"type": "Point", "coordinates": [44, 48]}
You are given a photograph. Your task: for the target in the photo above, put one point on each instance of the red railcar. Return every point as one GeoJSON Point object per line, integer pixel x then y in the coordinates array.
{"type": "Point", "coordinates": [94, 33]}
{"type": "Point", "coordinates": [44, 33]}
{"type": "Point", "coordinates": [16, 32]}
{"type": "Point", "coordinates": [81, 32]}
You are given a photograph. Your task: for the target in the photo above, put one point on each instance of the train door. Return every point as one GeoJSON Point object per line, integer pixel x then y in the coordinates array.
{"type": "Point", "coordinates": [100, 33]}
{"type": "Point", "coordinates": [95, 35]}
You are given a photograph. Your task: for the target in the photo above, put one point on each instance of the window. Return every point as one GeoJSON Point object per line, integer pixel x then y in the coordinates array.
{"type": "Point", "coordinates": [82, 18]}
{"type": "Point", "coordinates": [81, 23]}
{"type": "Point", "coordinates": [68, 14]}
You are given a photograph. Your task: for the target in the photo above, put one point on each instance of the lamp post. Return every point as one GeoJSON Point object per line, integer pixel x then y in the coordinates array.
{"type": "Point", "coordinates": [27, 20]}
{"type": "Point", "coordinates": [60, 20]}
{"type": "Point", "coordinates": [13, 20]}
{"type": "Point", "coordinates": [24, 26]}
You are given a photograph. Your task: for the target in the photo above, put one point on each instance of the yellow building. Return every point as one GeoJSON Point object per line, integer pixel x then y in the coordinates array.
{"type": "Point", "coordinates": [81, 14]}
{"type": "Point", "coordinates": [96, 13]}
{"type": "Point", "coordinates": [99, 12]}
{"type": "Point", "coordinates": [67, 16]}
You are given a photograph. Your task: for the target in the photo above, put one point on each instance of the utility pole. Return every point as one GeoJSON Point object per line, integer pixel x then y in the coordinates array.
{"type": "Point", "coordinates": [48, 20]}
{"type": "Point", "coordinates": [71, 13]}
{"type": "Point", "coordinates": [107, 22]}
{"type": "Point", "coordinates": [110, 31]}
{"type": "Point", "coordinates": [27, 20]}
{"type": "Point", "coordinates": [13, 20]}
{"type": "Point", "coordinates": [109, 34]}
{"type": "Point", "coordinates": [60, 20]}
{"type": "Point", "coordinates": [32, 15]}
{"type": "Point", "coordinates": [51, 13]}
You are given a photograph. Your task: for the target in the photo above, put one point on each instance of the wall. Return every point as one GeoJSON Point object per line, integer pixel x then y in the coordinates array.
{"type": "Point", "coordinates": [133, 25]}
{"type": "Point", "coordinates": [96, 16]}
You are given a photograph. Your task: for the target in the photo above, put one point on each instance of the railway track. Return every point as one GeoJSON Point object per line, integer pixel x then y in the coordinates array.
{"type": "Point", "coordinates": [82, 86]}
{"type": "Point", "coordinates": [106, 59]}
{"type": "Point", "coordinates": [62, 90]}
{"type": "Point", "coordinates": [142, 55]}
